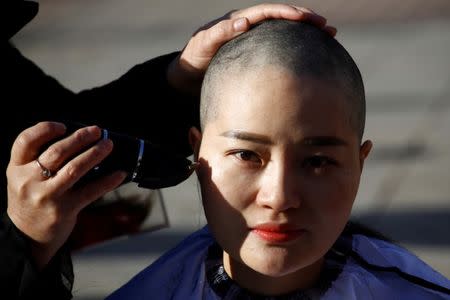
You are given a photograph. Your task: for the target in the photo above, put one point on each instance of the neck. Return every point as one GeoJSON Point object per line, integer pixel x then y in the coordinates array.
{"type": "Point", "coordinates": [262, 284]}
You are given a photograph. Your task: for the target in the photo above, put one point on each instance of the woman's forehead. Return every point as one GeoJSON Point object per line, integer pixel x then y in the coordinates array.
{"type": "Point", "coordinates": [272, 99]}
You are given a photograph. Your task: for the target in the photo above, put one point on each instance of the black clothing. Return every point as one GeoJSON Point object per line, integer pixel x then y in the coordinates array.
{"type": "Point", "coordinates": [33, 96]}
{"type": "Point", "coordinates": [15, 14]}
{"type": "Point", "coordinates": [19, 278]}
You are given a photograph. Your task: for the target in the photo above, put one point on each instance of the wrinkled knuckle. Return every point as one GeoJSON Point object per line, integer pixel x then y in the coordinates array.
{"type": "Point", "coordinates": [207, 39]}
{"type": "Point", "coordinates": [54, 153]}
{"type": "Point", "coordinates": [97, 152]}
{"type": "Point", "coordinates": [220, 31]}
{"type": "Point", "coordinates": [80, 135]}
{"type": "Point", "coordinates": [20, 188]}
{"type": "Point", "coordinates": [72, 171]}
{"type": "Point", "coordinates": [23, 139]}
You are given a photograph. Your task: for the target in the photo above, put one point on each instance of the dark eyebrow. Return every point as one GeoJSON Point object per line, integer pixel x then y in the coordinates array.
{"type": "Point", "coordinates": [324, 141]}
{"type": "Point", "coordinates": [248, 136]}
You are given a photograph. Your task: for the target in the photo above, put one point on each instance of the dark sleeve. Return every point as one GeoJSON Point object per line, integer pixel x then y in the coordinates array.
{"type": "Point", "coordinates": [140, 103]}
{"type": "Point", "coordinates": [19, 278]}
{"type": "Point", "coordinates": [31, 96]}
{"type": "Point", "coordinates": [143, 104]}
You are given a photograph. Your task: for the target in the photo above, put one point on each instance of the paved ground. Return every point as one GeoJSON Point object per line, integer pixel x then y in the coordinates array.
{"type": "Point", "coordinates": [402, 50]}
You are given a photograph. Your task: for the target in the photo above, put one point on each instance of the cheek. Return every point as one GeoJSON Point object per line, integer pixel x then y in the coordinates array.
{"type": "Point", "coordinates": [226, 196]}
{"type": "Point", "coordinates": [228, 183]}
{"type": "Point", "coordinates": [332, 199]}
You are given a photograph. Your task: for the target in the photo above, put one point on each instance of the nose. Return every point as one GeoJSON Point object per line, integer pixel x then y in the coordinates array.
{"type": "Point", "coordinates": [279, 188]}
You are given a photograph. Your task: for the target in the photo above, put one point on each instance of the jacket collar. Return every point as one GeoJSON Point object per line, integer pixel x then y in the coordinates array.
{"type": "Point", "coordinates": [16, 14]}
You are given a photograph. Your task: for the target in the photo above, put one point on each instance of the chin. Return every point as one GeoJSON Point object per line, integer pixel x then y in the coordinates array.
{"type": "Point", "coordinates": [281, 261]}
{"type": "Point", "coordinates": [273, 272]}
{"type": "Point", "coordinates": [272, 265]}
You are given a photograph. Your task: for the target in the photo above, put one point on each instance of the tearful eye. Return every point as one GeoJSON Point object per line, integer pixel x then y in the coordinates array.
{"type": "Point", "coordinates": [247, 156]}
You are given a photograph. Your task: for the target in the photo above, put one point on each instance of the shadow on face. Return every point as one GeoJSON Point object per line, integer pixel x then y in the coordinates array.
{"type": "Point", "coordinates": [280, 168]}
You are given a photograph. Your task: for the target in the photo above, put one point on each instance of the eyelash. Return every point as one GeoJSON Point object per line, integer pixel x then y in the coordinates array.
{"type": "Point", "coordinates": [318, 162]}
{"type": "Point", "coordinates": [238, 155]}
{"type": "Point", "coordinates": [315, 162]}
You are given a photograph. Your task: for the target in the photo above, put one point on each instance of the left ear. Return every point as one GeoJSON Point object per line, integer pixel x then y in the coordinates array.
{"type": "Point", "coordinates": [195, 139]}
{"type": "Point", "coordinates": [364, 151]}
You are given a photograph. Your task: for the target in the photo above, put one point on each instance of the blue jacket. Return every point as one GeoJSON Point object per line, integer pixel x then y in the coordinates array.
{"type": "Point", "coordinates": [374, 269]}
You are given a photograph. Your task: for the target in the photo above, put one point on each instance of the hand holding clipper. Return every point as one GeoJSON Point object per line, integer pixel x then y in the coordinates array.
{"type": "Point", "coordinates": [149, 165]}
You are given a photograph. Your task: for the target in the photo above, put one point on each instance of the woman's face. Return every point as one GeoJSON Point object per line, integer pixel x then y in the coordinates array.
{"type": "Point", "coordinates": [279, 170]}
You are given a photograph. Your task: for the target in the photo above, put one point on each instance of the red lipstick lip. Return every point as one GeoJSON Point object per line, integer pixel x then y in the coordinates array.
{"type": "Point", "coordinates": [277, 233]}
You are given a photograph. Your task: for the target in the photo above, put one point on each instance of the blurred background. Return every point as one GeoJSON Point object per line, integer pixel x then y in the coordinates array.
{"type": "Point", "coordinates": [402, 49]}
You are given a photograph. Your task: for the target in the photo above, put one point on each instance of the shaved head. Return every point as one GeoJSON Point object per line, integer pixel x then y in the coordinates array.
{"type": "Point", "coordinates": [299, 48]}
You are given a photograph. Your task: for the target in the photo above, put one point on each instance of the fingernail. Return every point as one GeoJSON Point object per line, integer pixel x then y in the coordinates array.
{"type": "Point", "coordinates": [331, 30]}
{"type": "Point", "coordinates": [299, 10]}
{"type": "Point", "coordinates": [94, 130]}
{"type": "Point", "coordinates": [240, 25]}
{"type": "Point", "coordinates": [62, 126]}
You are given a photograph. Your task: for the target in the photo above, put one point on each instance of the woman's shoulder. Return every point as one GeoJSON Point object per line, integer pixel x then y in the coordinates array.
{"type": "Point", "coordinates": [178, 271]}
{"type": "Point", "coordinates": [387, 256]}
{"type": "Point", "coordinates": [377, 268]}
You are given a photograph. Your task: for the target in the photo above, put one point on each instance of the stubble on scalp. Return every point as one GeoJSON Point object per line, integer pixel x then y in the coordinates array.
{"type": "Point", "coordinates": [299, 48]}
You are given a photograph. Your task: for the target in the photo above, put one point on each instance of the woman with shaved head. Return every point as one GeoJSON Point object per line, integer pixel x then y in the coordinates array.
{"type": "Point", "coordinates": [280, 153]}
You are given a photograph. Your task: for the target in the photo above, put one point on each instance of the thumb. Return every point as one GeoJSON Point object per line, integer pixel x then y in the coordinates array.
{"type": "Point", "coordinates": [241, 25]}
{"type": "Point", "coordinates": [224, 31]}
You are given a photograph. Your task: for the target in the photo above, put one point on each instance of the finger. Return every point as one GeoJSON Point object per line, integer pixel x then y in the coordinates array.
{"type": "Point", "coordinates": [80, 165]}
{"type": "Point", "coordinates": [331, 30]}
{"type": "Point", "coordinates": [305, 9]}
{"type": "Point", "coordinates": [56, 154]}
{"type": "Point", "coordinates": [30, 141]}
{"type": "Point", "coordinates": [99, 187]}
{"type": "Point", "coordinates": [222, 32]}
{"type": "Point", "coordinates": [210, 24]}
{"type": "Point", "coordinates": [311, 17]}
{"type": "Point", "coordinates": [241, 25]}
{"type": "Point", "coordinates": [261, 12]}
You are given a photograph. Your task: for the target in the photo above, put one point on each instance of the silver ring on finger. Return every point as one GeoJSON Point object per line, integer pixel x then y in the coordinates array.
{"type": "Point", "coordinates": [45, 172]}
